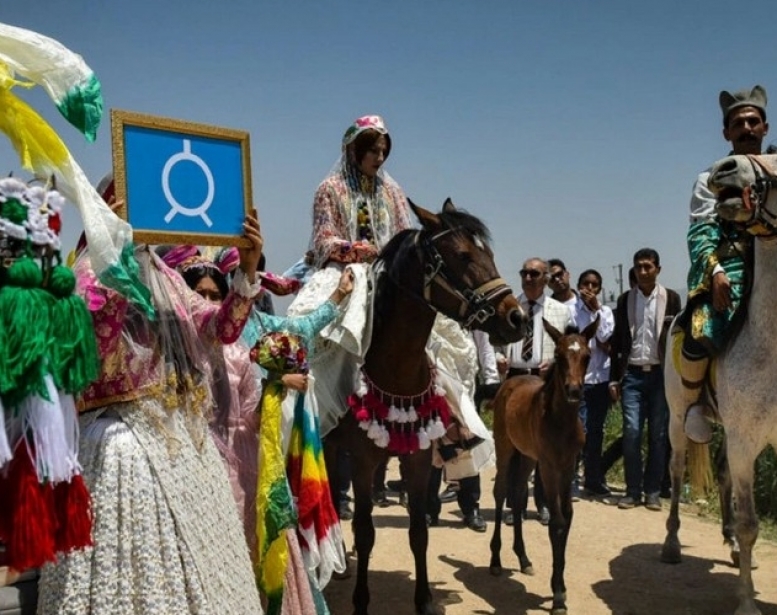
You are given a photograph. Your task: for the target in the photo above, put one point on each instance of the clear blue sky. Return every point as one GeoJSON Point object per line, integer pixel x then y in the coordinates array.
{"type": "Point", "coordinates": [573, 129]}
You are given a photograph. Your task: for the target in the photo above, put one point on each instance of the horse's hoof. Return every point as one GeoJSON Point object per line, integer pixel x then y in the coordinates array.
{"type": "Point", "coordinates": [558, 610]}
{"type": "Point", "coordinates": [495, 570]}
{"type": "Point", "coordinates": [528, 570]}
{"type": "Point", "coordinates": [670, 553]}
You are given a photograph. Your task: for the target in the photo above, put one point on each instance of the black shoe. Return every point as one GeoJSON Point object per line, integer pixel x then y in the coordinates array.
{"type": "Point", "coordinates": [344, 512]}
{"type": "Point", "coordinates": [432, 521]}
{"type": "Point", "coordinates": [380, 499]}
{"type": "Point", "coordinates": [600, 490]}
{"type": "Point", "coordinates": [475, 522]}
{"type": "Point", "coordinates": [448, 495]}
{"type": "Point", "coordinates": [395, 486]}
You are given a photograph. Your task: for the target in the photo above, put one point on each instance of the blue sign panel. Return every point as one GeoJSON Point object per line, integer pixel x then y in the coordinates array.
{"type": "Point", "coordinates": [180, 182]}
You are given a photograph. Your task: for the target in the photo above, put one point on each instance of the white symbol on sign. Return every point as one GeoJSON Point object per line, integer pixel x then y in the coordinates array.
{"type": "Point", "coordinates": [176, 207]}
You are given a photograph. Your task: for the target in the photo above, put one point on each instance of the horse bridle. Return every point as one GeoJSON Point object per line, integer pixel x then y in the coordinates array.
{"type": "Point", "coordinates": [475, 305]}
{"type": "Point", "coordinates": [760, 198]}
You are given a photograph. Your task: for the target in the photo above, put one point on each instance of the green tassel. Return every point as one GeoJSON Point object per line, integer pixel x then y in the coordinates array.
{"type": "Point", "coordinates": [75, 358]}
{"type": "Point", "coordinates": [24, 331]}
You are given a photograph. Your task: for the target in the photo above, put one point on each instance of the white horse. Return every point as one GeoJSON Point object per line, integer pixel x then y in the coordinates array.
{"type": "Point", "coordinates": [746, 188]}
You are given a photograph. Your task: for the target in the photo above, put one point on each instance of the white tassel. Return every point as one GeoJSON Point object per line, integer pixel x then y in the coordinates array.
{"type": "Point", "coordinates": [46, 423]}
{"type": "Point", "coordinates": [365, 425]}
{"type": "Point", "coordinates": [393, 414]}
{"type": "Point", "coordinates": [374, 431]}
{"type": "Point", "coordinates": [423, 439]}
{"type": "Point", "coordinates": [383, 438]}
{"type": "Point", "coordinates": [412, 415]}
{"type": "Point", "coordinates": [5, 448]}
{"type": "Point", "coordinates": [436, 429]}
{"type": "Point", "coordinates": [70, 415]}
{"type": "Point", "coordinates": [361, 386]}
{"type": "Point", "coordinates": [402, 416]}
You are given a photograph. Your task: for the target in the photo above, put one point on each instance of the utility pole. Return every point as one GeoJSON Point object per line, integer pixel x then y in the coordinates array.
{"type": "Point", "coordinates": [618, 270]}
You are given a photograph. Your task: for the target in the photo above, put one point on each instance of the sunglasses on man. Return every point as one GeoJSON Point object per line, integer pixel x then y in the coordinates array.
{"type": "Point", "coordinates": [558, 275]}
{"type": "Point", "coordinates": [531, 273]}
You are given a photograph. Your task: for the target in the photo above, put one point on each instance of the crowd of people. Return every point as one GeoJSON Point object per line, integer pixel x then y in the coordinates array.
{"type": "Point", "coordinates": [200, 430]}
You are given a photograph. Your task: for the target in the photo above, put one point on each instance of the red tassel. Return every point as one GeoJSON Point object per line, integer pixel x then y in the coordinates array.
{"type": "Point", "coordinates": [73, 515]}
{"type": "Point", "coordinates": [31, 536]}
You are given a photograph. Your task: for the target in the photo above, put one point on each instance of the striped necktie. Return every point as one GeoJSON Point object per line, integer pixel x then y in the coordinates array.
{"type": "Point", "coordinates": [528, 341]}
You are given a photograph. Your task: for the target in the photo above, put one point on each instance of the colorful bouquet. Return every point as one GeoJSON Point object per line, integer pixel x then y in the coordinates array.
{"type": "Point", "coordinates": [281, 352]}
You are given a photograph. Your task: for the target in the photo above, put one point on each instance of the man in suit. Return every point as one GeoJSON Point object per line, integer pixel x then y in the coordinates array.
{"type": "Point", "coordinates": [637, 350]}
{"type": "Point", "coordinates": [534, 354]}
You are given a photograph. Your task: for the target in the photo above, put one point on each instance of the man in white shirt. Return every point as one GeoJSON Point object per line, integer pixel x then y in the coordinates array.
{"type": "Point", "coordinates": [560, 286]}
{"type": "Point", "coordinates": [637, 349]}
{"type": "Point", "coordinates": [534, 354]}
{"type": "Point", "coordinates": [596, 399]}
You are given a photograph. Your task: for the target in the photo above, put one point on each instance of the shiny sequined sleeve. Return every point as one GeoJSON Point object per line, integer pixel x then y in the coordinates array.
{"type": "Point", "coordinates": [307, 326]}
{"type": "Point", "coordinates": [704, 236]}
{"type": "Point", "coordinates": [107, 307]}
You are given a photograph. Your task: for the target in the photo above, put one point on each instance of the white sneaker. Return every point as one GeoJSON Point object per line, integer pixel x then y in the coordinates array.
{"type": "Point", "coordinates": [698, 428]}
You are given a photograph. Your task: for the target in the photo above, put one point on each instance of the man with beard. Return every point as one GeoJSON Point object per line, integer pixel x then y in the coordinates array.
{"type": "Point", "coordinates": [719, 259]}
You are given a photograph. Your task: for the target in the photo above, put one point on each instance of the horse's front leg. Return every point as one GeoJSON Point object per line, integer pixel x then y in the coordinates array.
{"type": "Point", "coordinates": [521, 468]}
{"type": "Point", "coordinates": [363, 528]}
{"type": "Point", "coordinates": [500, 493]}
{"type": "Point", "coordinates": [741, 468]}
{"type": "Point", "coordinates": [558, 491]}
{"type": "Point", "coordinates": [415, 469]}
{"type": "Point", "coordinates": [670, 551]}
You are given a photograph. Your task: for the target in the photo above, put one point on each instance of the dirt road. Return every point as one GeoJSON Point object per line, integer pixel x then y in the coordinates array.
{"type": "Point", "coordinates": [612, 567]}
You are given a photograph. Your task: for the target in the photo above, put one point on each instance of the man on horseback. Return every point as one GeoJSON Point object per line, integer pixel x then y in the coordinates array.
{"type": "Point", "coordinates": [720, 254]}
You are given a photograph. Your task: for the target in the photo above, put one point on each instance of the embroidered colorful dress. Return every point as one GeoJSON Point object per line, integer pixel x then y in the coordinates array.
{"type": "Point", "coordinates": [713, 245]}
{"type": "Point", "coordinates": [293, 491]}
{"type": "Point", "coordinates": [167, 538]}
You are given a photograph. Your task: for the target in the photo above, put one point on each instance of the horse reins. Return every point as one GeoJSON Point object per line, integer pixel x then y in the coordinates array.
{"type": "Point", "coordinates": [761, 198]}
{"type": "Point", "coordinates": [475, 305]}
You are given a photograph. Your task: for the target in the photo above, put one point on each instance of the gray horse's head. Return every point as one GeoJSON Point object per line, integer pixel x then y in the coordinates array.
{"type": "Point", "coordinates": [746, 188]}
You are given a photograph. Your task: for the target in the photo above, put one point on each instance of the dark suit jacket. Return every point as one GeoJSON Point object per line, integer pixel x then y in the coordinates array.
{"type": "Point", "coordinates": [620, 343]}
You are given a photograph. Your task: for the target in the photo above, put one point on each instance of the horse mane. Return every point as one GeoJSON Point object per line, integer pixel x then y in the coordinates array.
{"type": "Point", "coordinates": [460, 219]}
{"type": "Point", "coordinates": [395, 252]}
{"type": "Point", "coordinates": [401, 246]}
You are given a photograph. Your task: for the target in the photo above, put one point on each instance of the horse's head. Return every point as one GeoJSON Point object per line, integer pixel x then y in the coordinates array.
{"type": "Point", "coordinates": [571, 357]}
{"type": "Point", "coordinates": [460, 278]}
{"type": "Point", "coordinates": [746, 189]}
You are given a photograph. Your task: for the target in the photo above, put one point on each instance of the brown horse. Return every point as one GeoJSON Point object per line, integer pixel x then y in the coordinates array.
{"type": "Point", "coordinates": [447, 266]}
{"type": "Point", "coordinates": [537, 420]}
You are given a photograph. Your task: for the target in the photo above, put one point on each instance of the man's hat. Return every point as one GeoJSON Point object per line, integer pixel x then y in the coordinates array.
{"type": "Point", "coordinates": [743, 98]}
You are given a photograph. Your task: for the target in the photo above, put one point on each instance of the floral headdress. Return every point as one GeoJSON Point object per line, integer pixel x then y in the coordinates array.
{"type": "Point", "coordinates": [366, 122]}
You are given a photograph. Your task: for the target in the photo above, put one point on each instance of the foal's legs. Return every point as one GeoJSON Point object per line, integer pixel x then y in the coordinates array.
{"type": "Point", "coordinates": [521, 468]}
{"type": "Point", "coordinates": [504, 455]}
{"type": "Point", "coordinates": [416, 469]}
{"type": "Point", "coordinates": [558, 485]}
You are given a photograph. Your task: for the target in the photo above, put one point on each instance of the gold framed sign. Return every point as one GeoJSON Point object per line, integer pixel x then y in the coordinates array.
{"type": "Point", "coordinates": [181, 182]}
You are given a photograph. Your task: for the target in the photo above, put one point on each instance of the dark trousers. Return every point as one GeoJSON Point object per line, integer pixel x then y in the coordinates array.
{"type": "Point", "coordinates": [596, 400]}
{"type": "Point", "coordinates": [643, 403]}
{"type": "Point", "coordinates": [468, 495]}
